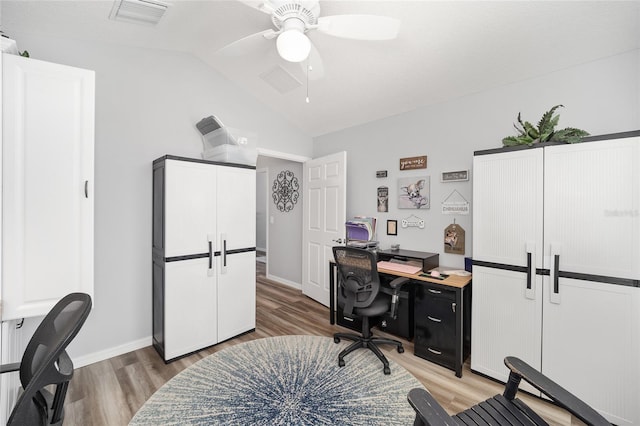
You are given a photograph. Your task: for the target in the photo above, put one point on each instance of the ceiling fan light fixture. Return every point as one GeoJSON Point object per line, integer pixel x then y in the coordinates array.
{"type": "Point", "coordinates": [292, 44]}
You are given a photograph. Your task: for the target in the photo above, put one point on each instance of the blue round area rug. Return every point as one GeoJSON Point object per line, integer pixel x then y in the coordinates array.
{"type": "Point", "coordinates": [286, 380]}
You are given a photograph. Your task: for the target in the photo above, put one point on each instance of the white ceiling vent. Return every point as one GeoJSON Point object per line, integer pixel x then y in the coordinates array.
{"type": "Point", "coordinates": [280, 79]}
{"type": "Point", "coordinates": [148, 12]}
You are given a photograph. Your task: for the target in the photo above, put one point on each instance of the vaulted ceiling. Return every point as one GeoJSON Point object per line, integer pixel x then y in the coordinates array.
{"type": "Point", "coordinates": [444, 50]}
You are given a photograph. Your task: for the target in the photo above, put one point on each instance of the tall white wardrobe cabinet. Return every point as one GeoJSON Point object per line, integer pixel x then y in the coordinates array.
{"type": "Point", "coordinates": [47, 184]}
{"type": "Point", "coordinates": [204, 254]}
{"type": "Point", "coordinates": [556, 267]}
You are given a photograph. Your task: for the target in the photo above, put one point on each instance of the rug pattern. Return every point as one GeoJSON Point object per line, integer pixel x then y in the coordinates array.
{"type": "Point", "coordinates": [286, 380]}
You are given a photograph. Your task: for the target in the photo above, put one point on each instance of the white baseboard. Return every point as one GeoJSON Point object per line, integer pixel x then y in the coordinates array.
{"type": "Point", "coordinates": [288, 283]}
{"type": "Point", "coordinates": [111, 352]}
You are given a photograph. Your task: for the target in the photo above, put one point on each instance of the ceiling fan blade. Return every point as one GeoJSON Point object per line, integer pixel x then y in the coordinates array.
{"type": "Point", "coordinates": [360, 27]}
{"type": "Point", "coordinates": [313, 64]}
{"type": "Point", "coordinates": [247, 44]}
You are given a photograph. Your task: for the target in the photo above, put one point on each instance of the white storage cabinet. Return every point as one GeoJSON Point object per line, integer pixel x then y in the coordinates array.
{"type": "Point", "coordinates": [556, 276]}
{"type": "Point", "coordinates": [203, 254]}
{"type": "Point", "coordinates": [47, 184]}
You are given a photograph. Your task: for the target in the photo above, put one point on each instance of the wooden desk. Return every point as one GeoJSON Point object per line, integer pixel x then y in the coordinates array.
{"type": "Point", "coordinates": [431, 293]}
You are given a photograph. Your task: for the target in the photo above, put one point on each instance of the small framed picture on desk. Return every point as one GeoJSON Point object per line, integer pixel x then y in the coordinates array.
{"type": "Point", "coordinates": [392, 227]}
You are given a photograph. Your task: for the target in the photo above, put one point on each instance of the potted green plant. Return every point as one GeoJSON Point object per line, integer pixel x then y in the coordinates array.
{"type": "Point", "coordinates": [529, 134]}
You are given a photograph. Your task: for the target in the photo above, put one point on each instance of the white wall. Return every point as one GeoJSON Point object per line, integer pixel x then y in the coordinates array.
{"type": "Point", "coordinates": [261, 208]}
{"type": "Point", "coordinates": [147, 104]}
{"type": "Point", "coordinates": [284, 258]}
{"type": "Point", "coordinates": [600, 97]}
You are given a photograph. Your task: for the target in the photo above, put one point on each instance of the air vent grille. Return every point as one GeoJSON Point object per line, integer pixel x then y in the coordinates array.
{"type": "Point", "coordinates": [280, 79]}
{"type": "Point", "coordinates": [145, 12]}
{"type": "Point", "coordinates": [294, 10]}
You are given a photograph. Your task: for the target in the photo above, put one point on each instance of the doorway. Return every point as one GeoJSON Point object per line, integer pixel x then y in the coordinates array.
{"type": "Point", "coordinates": [281, 248]}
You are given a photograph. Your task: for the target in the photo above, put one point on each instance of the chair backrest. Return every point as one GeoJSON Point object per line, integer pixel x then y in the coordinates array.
{"type": "Point", "coordinates": [45, 361]}
{"type": "Point", "coordinates": [358, 277]}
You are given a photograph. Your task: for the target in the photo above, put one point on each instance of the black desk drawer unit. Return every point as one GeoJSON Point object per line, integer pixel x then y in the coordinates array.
{"type": "Point", "coordinates": [435, 324]}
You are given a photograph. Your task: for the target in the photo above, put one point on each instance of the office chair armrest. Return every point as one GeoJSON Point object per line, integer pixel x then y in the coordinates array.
{"type": "Point", "coordinates": [428, 411]}
{"type": "Point", "coordinates": [562, 397]}
{"type": "Point", "coordinates": [8, 368]}
{"type": "Point", "coordinates": [395, 285]}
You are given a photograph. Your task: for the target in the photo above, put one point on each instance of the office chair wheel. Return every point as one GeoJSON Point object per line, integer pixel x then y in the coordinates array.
{"type": "Point", "coordinates": [387, 370]}
{"type": "Point", "coordinates": [341, 362]}
{"type": "Point", "coordinates": [400, 349]}
{"type": "Point", "coordinates": [336, 340]}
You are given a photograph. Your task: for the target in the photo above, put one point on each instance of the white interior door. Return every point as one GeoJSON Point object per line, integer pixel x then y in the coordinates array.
{"type": "Point", "coordinates": [325, 181]}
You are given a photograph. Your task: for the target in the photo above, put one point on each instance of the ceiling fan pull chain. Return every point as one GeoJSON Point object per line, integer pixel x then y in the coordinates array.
{"type": "Point", "coordinates": [308, 68]}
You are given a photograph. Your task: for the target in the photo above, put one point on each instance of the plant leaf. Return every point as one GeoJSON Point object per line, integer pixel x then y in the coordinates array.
{"type": "Point", "coordinates": [531, 131]}
{"type": "Point", "coordinates": [569, 135]}
{"type": "Point", "coordinates": [548, 122]}
{"type": "Point", "coordinates": [517, 140]}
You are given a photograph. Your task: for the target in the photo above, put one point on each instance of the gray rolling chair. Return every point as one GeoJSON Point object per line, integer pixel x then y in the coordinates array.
{"type": "Point", "coordinates": [45, 362]}
{"type": "Point", "coordinates": [504, 409]}
{"type": "Point", "coordinates": [359, 296]}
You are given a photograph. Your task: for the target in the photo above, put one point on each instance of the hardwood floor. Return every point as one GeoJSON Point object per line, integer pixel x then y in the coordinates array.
{"type": "Point", "coordinates": [111, 391]}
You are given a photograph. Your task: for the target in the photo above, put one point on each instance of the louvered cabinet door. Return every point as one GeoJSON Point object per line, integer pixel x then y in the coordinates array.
{"type": "Point", "coordinates": [591, 328]}
{"type": "Point", "coordinates": [47, 173]}
{"type": "Point", "coordinates": [507, 247]}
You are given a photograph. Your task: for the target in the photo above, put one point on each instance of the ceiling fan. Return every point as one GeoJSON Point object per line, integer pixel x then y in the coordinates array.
{"type": "Point", "coordinates": [293, 20]}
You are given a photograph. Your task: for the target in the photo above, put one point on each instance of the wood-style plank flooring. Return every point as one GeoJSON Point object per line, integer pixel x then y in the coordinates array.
{"type": "Point", "coordinates": [111, 391]}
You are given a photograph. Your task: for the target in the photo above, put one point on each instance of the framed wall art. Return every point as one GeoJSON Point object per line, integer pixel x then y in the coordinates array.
{"type": "Point", "coordinates": [392, 227]}
{"type": "Point", "coordinates": [413, 193]}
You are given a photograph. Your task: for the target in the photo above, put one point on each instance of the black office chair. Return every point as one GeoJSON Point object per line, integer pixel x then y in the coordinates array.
{"type": "Point", "coordinates": [359, 296]}
{"type": "Point", "coordinates": [504, 409]}
{"type": "Point", "coordinates": [45, 362]}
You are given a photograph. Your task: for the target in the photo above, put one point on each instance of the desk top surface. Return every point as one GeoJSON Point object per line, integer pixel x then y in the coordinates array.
{"type": "Point", "coordinates": [451, 281]}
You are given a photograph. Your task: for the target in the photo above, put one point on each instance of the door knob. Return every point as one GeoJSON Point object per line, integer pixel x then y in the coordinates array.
{"type": "Point", "coordinates": [339, 241]}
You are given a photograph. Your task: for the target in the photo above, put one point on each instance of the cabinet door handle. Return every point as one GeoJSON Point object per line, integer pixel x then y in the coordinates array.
{"type": "Point", "coordinates": [210, 255]}
{"type": "Point", "coordinates": [453, 307]}
{"type": "Point", "coordinates": [434, 291]}
{"type": "Point", "coordinates": [530, 290]}
{"type": "Point", "coordinates": [554, 272]}
{"type": "Point", "coordinates": [86, 189]}
{"type": "Point", "coordinates": [434, 319]}
{"type": "Point", "coordinates": [223, 253]}
{"type": "Point", "coordinates": [434, 351]}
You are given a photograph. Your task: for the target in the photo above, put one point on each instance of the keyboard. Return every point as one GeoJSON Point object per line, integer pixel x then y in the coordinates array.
{"type": "Point", "coordinates": [399, 267]}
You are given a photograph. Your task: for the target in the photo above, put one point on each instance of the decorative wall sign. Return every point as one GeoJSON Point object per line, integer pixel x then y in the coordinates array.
{"type": "Point", "coordinates": [454, 239]}
{"type": "Point", "coordinates": [383, 199]}
{"type": "Point", "coordinates": [413, 193]}
{"type": "Point", "coordinates": [392, 227]}
{"type": "Point", "coordinates": [285, 191]}
{"type": "Point", "coordinates": [413, 221]}
{"type": "Point", "coordinates": [411, 163]}
{"type": "Point", "coordinates": [381, 174]}
{"type": "Point", "coordinates": [460, 175]}
{"type": "Point", "coordinates": [455, 203]}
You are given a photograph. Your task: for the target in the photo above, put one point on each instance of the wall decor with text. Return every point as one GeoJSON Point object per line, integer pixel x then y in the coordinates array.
{"type": "Point", "coordinates": [412, 163]}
